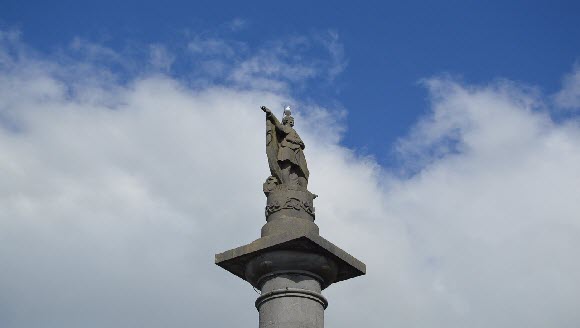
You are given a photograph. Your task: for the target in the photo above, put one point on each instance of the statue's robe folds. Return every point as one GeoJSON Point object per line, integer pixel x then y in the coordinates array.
{"type": "Point", "coordinates": [284, 144]}
{"type": "Point", "coordinates": [272, 147]}
{"type": "Point", "coordinates": [291, 150]}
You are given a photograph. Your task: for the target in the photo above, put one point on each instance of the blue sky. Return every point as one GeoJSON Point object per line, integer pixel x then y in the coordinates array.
{"type": "Point", "coordinates": [132, 150]}
{"type": "Point", "coordinates": [389, 47]}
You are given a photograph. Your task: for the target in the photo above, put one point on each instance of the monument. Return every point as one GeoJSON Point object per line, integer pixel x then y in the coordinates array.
{"type": "Point", "coordinates": [290, 263]}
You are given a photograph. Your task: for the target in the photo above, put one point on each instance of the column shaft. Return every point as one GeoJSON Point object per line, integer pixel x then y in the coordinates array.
{"type": "Point", "coordinates": [291, 301]}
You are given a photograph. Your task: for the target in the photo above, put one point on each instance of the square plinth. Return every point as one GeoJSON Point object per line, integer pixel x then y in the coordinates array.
{"type": "Point", "coordinates": [235, 260]}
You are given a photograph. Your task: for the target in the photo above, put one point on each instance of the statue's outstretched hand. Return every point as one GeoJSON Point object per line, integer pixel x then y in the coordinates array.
{"type": "Point", "coordinates": [265, 109]}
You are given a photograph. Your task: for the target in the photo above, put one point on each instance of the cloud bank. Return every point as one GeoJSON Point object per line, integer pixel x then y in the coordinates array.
{"type": "Point", "coordinates": [569, 96]}
{"type": "Point", "coordinates": [115, 195]}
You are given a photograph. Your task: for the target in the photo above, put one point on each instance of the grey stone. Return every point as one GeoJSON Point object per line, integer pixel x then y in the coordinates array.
{"type": "Point", "coordinates": [289, 211]}
{"type": "Point", "coordinates": [237, 259]}
{"type": "Point", "coordinates": [291, 263]}
{"type": "Point", "coordinates": [284, 149]}
{"type": "Point", "coordinates": [290, 301]}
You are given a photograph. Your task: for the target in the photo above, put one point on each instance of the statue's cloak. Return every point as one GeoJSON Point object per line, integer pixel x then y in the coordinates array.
{"type": "Point", "coordinates": [272, 145]}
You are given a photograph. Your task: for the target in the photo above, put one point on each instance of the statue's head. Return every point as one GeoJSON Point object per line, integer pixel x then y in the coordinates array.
{"type": "Point", "coordinates": [287, 118]}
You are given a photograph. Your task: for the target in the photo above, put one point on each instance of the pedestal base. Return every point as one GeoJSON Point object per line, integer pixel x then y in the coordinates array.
{"type": "Point", "coordinates": [236, 260]}
{"type": "Point", "coordinates": [291, 269]}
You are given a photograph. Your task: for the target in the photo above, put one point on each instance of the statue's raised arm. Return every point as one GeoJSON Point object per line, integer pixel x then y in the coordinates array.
{"type": "Point", "coordinates": [284, 149]}
{"type": "Point", "coordinates": [274, 120]}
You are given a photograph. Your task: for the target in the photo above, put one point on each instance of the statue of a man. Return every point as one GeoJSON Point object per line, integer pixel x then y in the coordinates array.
{"type": "Point", "coordinates": [285, 152]}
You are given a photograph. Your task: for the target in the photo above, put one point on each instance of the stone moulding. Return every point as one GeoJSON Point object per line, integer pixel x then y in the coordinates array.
{"type": "Point", "coordinates": [236, 260]}
{"type": "Point", "coordinates": [262, 267]}
{"type": "Point", "coordinates": [291, 292]}
{"type": "Point", "coordinates": [290, 203]}
{"type": "Point", "coordinates": [291, 263]}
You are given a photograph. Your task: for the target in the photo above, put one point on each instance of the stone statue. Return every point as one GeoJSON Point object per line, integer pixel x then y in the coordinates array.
{"type": "Point", "coordinates": [290, 263]}
{"type": "Point", "coordinates": [284, 149]}
{"type": "Point", "coordinates": [289, 204]}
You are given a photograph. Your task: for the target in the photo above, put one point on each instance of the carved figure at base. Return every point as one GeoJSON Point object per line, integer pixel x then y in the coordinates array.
{"type": "Point", "coordinates": [284, 149]}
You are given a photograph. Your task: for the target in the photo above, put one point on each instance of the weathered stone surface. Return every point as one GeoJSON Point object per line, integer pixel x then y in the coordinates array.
{"type": "Point", "coordinates": [289, 210]}
{"type": "Point", "coordinates": [291, 263]}
{"type": "Point", "coordinates": [289, 225]}
{"type": "Point", "coordinates": [284, 150]}
{"type": "Point", "coordinates": [236, 260]}
{"type": "Point", "coordinates": [290, 301]}
{"type": "Point", "coordinates": [283, 202]}
{"type": "Point", "coordinates": [322, 268]}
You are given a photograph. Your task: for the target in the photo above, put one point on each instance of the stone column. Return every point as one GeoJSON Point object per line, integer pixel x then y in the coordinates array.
{"type": "Point", "coordinates": [291, 283]}
{"type": "Point", "coordinates": [291, 263]}
{"type": "Point", "coordinates": [290, 301]}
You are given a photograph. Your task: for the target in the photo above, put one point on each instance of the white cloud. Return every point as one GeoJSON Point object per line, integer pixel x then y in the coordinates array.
{"type": "Point", "coordinates": [495, 222]}
{"type": "Point", "coordinates": [237, 24]}
{"type": "Point", "coordinates": [276, 65]}
{"type": "Point", "coordinates": [115, 197]}
{"type": "Point", "coordinates": [160, 58]}
{"type": "Point", "coordinates": [335, 48]}
{"type": "Point", "coordinates": [215, 47]}
{"type": "Point", "coordinates": [569, 96]}
{"type": "Point", "coordinates": [94, 51]}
